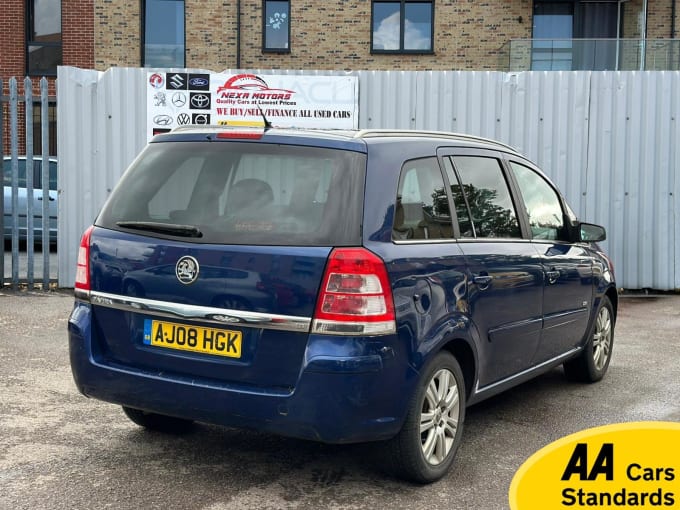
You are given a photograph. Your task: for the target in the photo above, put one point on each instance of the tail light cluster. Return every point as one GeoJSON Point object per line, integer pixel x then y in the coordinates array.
{"type": "Point", "coordinates": [355, 297]}
{"type": "Point", "coordinates": [83, 265]}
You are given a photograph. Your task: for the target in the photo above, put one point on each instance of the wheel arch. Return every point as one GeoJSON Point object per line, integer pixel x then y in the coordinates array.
{"type": "Point", "coordinates": [467, 359]}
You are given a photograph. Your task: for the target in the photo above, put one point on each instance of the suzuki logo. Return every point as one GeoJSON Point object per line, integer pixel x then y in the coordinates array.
{"type": "Point", "coordinates": [187, 270]}
{"type": "Point", "coordinates": [200, 100]}
{"type": "Point", "coordinates": [183, 119]}
{"type": "Point", "coordinates": [176, 81]}
{"type": "Point", "coordinates": [162, 120]}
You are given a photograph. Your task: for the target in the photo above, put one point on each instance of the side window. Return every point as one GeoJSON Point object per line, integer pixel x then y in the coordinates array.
{"type": "Point", "coordinates": [462, 212]}
{"type": "Point", "coordinates": [544, 210]}
{"type": "Point", "coordinates": [21, 165]}
{"type": "Point", "coordinates": [488, 195]}
{"type": "Point", "coordinates": [422, 209]}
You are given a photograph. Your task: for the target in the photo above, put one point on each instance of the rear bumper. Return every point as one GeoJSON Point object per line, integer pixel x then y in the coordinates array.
{"type": "Point", "coordinates": [337, 399]}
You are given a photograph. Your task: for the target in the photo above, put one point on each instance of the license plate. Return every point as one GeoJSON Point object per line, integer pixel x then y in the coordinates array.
{"type": "Point", "coordinates": [182, 337]}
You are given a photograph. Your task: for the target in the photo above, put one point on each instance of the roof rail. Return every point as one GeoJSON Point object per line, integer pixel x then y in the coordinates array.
{"type": "Point", "coordinates": [371, 133]}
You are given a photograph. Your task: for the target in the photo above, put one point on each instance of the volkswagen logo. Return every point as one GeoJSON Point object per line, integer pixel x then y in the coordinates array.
{"type": "Point", "coordinates": [198, 82]}
{"type": "Point", "coordinates": [179, 99]}
{"type": "Point", "coordinates": [162, 120]}
{"type": "Point", "coordinates": [187, 270]}
{"type": "Point", "coordinates": [200, 100]}
{"type": "Point", "coordinates": [183, 119]}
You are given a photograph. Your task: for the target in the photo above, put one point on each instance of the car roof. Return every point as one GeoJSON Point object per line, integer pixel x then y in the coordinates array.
{"type": "Point", "coordinates": [334, 138]}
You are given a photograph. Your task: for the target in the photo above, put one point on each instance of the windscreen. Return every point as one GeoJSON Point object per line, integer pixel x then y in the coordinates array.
{"type": "Point", "coordinates": [241, 193]}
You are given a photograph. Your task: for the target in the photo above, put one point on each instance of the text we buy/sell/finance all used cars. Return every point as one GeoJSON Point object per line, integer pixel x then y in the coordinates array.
{"type": "Point", "coordinates": [339, 286]}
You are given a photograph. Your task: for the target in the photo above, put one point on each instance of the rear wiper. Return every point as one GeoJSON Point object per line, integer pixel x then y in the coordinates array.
{"type": "Point", "coordinates": [162, 228]}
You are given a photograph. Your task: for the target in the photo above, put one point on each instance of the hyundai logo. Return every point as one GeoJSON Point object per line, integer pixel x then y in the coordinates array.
{"type": "Point", "coordinates": [187, 270]}
{"type": "Point", "coordinates": [162, 120]}
{"type": "Point", "coordinates": [183, 119]}
{"type": "Point", "coordinates": [179, 99]}
{"type": "Point", "coordinates": [200, 100]}
{"type": "Point", "coordinates": [198, 82]}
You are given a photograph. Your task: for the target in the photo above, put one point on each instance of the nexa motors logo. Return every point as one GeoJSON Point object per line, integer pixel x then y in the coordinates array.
{"type": "Point", "coordinates": [249, 86]}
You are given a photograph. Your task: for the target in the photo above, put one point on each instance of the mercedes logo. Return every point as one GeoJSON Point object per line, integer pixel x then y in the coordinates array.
{"type": "Point", "coordinates": [187, 270]}
{"type": "Point", "coordinates": [179, 99]}
{"type": "Point", "coordinates": [162, 120]}
{"type": "Point", "coordinates": [183, 119]}
{"type": "Point", "coordinates": [200, 100]}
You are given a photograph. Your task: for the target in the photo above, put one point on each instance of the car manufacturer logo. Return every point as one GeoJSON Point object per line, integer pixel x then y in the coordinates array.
{"type": "Point", "coordinates": [198, 82]}
{"type": "Point", "coordinates": [162, 120]}
{"type": "Point", "coordinates": [187, 270]}
{"type": "Point", "coordinates": [201, 119]}
{"type": "Point", "coordinates": [156, 80]}
{"type": "Point", "coordinates": [183, 119]}
{"type": "Point", "coordinates": [177, 81]}
{"type": "Point", "coordinates": [159, 98]}
{"type": "Point", "coordinates": [179, 99]}
{"type": "Point", "coordinates": [200, 101]}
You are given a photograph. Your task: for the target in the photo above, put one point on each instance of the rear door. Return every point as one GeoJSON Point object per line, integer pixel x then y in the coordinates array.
{"type": "Point", "coordinates": [207, 259]}
{"type": "Point", "coordinates": [506, 276]}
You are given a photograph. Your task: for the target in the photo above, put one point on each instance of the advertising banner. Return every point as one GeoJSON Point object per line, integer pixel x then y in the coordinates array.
{"type": "Point", "coordinates": [178, 99]}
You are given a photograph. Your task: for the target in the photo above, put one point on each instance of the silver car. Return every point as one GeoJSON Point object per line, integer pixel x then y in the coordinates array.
{"type": "Point", "coordinates": [37, 199]}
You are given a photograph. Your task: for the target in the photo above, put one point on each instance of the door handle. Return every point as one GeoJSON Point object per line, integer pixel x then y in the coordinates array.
{"type": "Point", "coordinates": [552, 275]}
{"type": "Point", "coordinates": [482, 281]}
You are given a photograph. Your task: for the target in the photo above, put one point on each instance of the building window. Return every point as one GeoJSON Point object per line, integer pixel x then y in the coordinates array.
{"type": "Point", "coordinates": [43, 37]}
{"type": "Point", "coordinates": [163, 33]}
{"type": "Point", "coordinates": [276, 26]}
{"type": "Point", "coordinates": [402, 27]}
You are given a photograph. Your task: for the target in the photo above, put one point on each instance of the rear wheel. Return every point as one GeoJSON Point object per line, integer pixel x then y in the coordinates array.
{"type": "Point", "coordinates": [158, 422]}
{"type": "Point", "coordinates": [592, 363]}
{"type": "Point", "coordinates": [425, 447]}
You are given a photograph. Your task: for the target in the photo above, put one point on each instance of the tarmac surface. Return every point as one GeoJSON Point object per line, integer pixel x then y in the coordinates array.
{"type": "Point", "coordinates": [59, 449]}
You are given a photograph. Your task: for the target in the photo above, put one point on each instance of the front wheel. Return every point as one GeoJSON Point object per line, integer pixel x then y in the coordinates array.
{"type": "Point", "coordinates": [425, 447]}
{"type": "Point", "coordinates": [592, 363]}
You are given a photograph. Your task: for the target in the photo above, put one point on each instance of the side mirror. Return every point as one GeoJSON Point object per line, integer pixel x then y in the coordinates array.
{"type": "Point", "coordinates": [591, 233]}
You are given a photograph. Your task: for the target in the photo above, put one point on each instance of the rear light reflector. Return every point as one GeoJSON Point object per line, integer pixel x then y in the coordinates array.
{"type": "Point", "coordinates": [355, 296]}
{"type": "Point", "coordinates": [82, 284]}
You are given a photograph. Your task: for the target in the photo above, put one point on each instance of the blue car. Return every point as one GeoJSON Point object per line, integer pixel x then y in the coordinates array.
{"type": "Point", "coordinates": [379, 282]}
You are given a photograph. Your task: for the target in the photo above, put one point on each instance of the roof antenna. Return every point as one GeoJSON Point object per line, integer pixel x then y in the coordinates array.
{"type": "Point", "coordinates": [267, 124]}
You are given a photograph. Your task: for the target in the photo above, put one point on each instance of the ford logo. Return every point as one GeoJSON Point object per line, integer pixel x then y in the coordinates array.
{"type": "Point", "coordinates": [198, 82]}
{"type": "Point", "coordinates": [162, 120]}
{"type": "Point", "coordinates": [187, 270]}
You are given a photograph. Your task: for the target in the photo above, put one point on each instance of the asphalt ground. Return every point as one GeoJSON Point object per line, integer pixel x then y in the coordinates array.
{"type": "Point", "coordinates": [59, 449]}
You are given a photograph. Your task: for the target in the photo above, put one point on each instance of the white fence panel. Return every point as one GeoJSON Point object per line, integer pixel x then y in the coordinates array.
{"type": "Point", "coordinates": [608, 139]}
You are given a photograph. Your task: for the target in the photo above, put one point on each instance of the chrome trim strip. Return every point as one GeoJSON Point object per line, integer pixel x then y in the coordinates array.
{"type": "Point", "coordinates": [212, 315]}
{"type": "Point", "coordinates": [566, 355]}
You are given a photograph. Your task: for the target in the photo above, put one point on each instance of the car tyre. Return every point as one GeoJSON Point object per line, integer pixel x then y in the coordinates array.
{"type": "Point", "coordinates": [593, 361]}
{"type": "Point", "coordinates": [425, 447]}
{"type": "Point", "coordinates": [158, 422]}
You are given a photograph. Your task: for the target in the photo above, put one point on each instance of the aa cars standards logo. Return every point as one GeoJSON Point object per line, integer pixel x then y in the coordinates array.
{"type": "Point", "coordinates": [187, 269]}
{"type": "Point", "coordinates": [627, 465]}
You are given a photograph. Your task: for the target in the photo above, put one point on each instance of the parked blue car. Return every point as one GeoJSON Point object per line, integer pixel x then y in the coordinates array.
{"type": "Point", "coordinates": [22, 199]}
{"type": "Point", "coordinates": [390, 279]}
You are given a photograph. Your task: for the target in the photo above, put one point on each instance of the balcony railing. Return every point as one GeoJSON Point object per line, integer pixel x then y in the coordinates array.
{"type": "Point", "coordinates": [590, 55]}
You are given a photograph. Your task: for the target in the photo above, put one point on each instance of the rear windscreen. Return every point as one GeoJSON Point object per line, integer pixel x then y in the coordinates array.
{"type": "Point", "coordinates": [243, 193]}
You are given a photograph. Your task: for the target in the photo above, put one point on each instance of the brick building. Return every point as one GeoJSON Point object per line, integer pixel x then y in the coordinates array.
{"type": "Point", "coordinates": [38, 35]}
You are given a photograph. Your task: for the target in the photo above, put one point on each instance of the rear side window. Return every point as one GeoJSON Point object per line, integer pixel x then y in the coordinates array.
{"type": "Point", "coordinates": [487, 196]}
{"type": "Point", "coordinates": [422, 208]}
{"type": "Point", "coordinates": [244, 193]}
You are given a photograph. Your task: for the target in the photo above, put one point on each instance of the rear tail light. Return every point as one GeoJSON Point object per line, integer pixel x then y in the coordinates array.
{"type": "Point", "coordinates": [355, 297]}
{"type": "Point", "coordinates": [83, 264]}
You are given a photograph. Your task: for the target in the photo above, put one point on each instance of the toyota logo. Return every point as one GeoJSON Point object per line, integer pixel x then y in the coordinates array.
{"type": "Point", "coordinates": [187, 270]}
{"type": "Point", "coordinates": [183, 119]}
{"type": "Point", "coordinates": [200, 100]}
{"type": "Point", "coordinates": [179, 99]}
{"type": "Point", "coordinates": [162, 120]}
